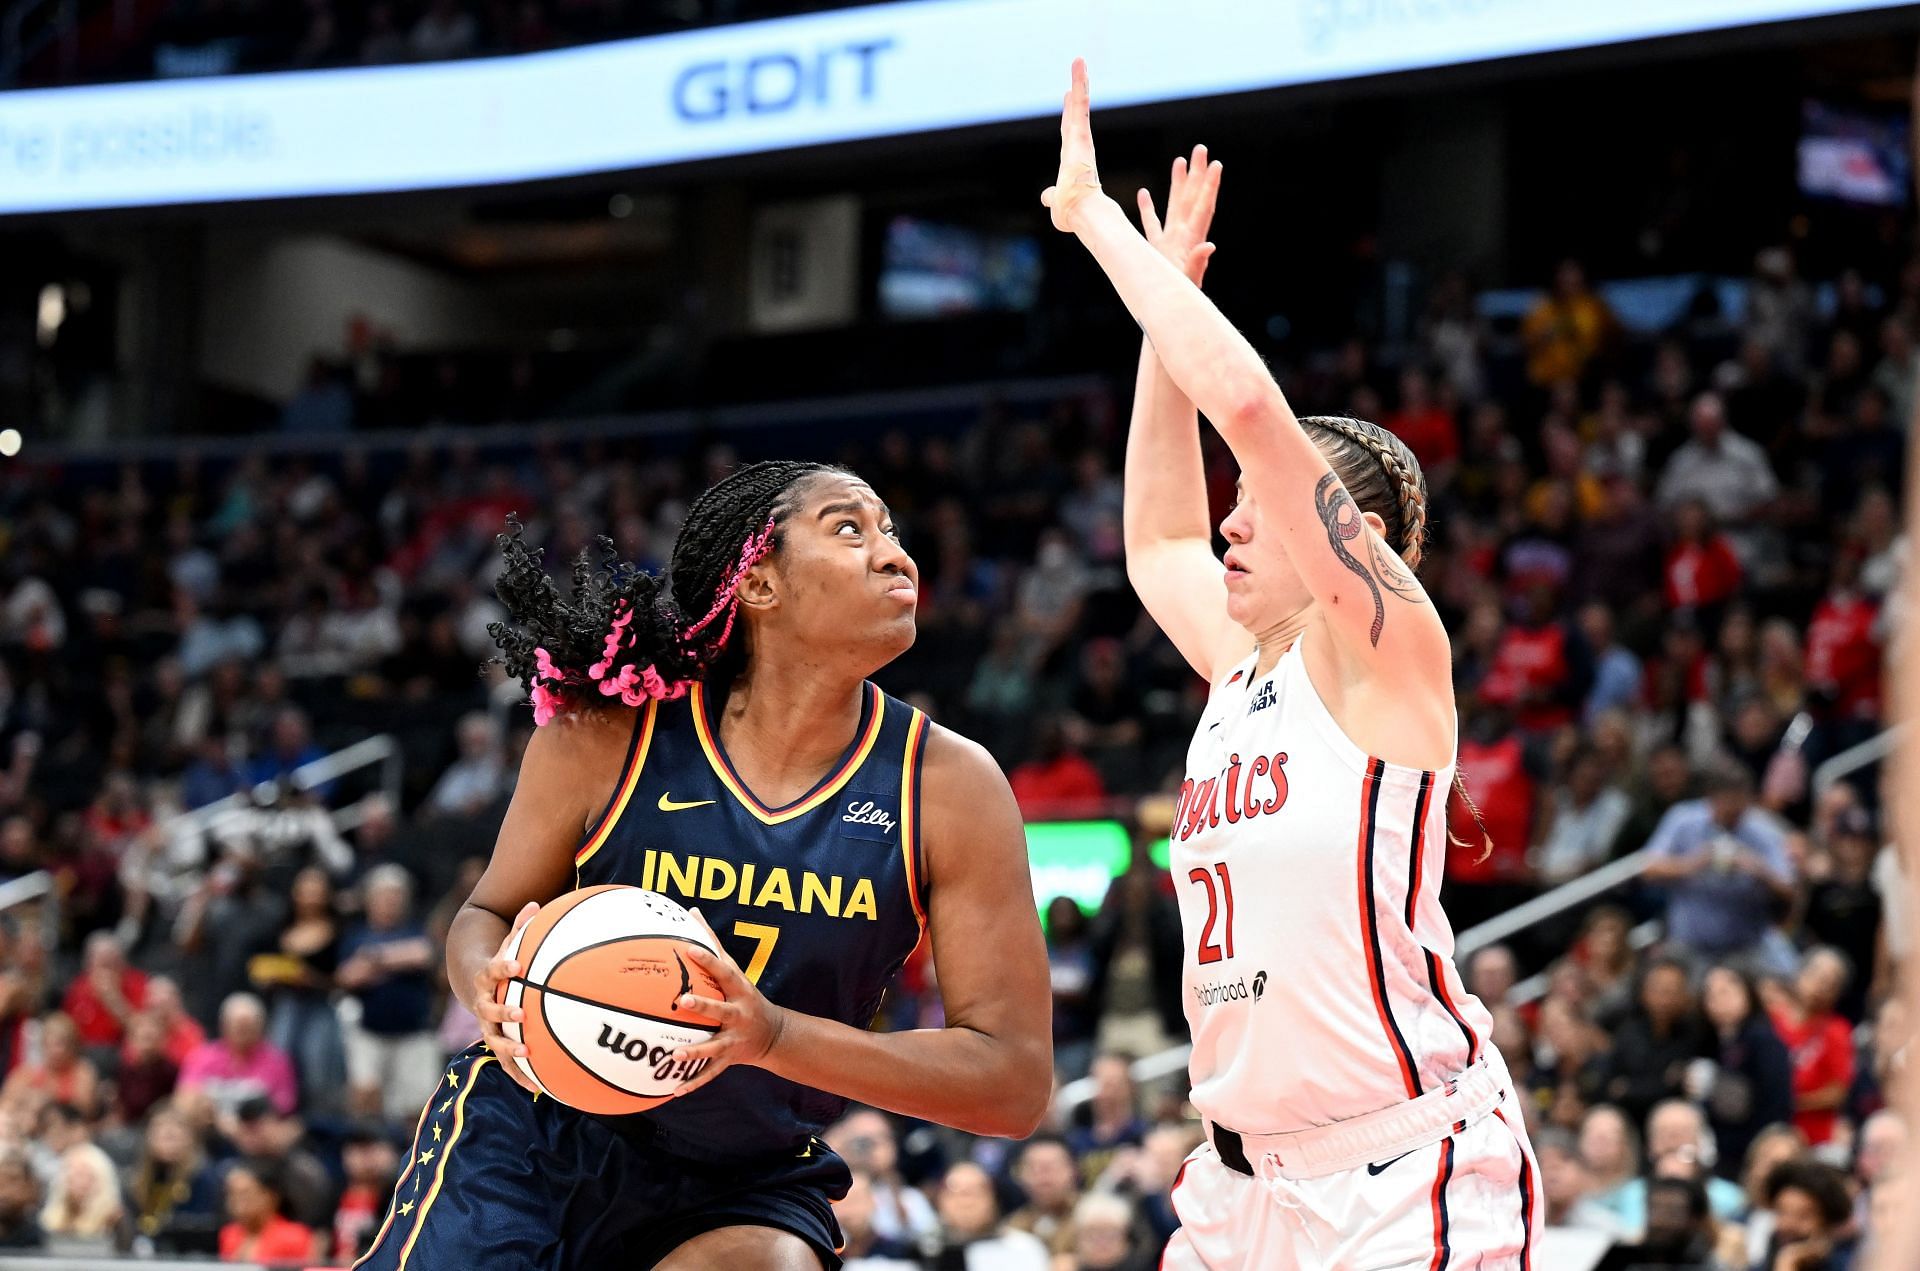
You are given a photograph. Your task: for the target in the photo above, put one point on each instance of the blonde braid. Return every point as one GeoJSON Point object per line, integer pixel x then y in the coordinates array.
{"type": "Point", "coordinates": [1403, 475]}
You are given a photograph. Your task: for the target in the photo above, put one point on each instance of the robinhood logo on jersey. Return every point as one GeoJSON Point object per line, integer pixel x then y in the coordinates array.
{"type": "Point", "coordinates": [1223, 991]}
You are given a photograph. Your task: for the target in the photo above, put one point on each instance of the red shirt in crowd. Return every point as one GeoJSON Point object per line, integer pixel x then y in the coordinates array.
{"type": "Point", "coordinates": [1843, 656]}
{"type": "Point", "coordinates": [1701, 573]}
{"type": "Point", "coordinates": [1822, 1054]}
{"type": "Point", "coordinates": [1529, 669]}
{"type": "Point", "coordinates": [98, 1025]}
{"type": "Point", "coordinates": [182, 1037]}
{"type": "Point", "coordinates": [1496, 776]}
{"type": "Point", "coordinates": [354, 1220]}
{"type": "Point", "coordinates": [1431, 434]}
{"type": "Point", "coordinates": [281, 1240]}
{"type": "Point", "coordinates": [1066, 785]}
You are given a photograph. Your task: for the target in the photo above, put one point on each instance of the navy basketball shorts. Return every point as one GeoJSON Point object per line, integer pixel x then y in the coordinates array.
{"type": "Point", "coordinates": [497, 1178]}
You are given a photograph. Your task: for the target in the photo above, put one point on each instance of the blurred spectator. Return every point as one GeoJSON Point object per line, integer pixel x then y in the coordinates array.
{"type": "Point", "coordinates": [1811, 1210]}
{"type": "Point", "coordinates": [1049, 1180]}
{"type": "Point", "coordinates": [179, 1031]}
{"type": "Point", "coordinates": [1843, 906]}
{"type": "Point", "coordinates": [1106, 1236]}
{"type": "Point", "coordinates": [257, 1230]}
{"type": "Point", "coordinates": [392, 1058]}
{"type": "Point", "coordinates": [298, 982]}
{"type": "Point", "coordinates": [1680, 1145]}
{"type": "Point", "coordinates": [172, 1192]}
{"type": "Point", "coordinates": [1566, 330]}
{"type": "Point", "coordinates": [1702, 571]}
{"type": "Point", "coordinates": [102, 1000]}
{"type": "Point", "coordinates": [265, 1137]}
{"type": "Point", "coordinates": [1775, 1145]}
{"type": "Point", "coordinates": [1070, 963]}
{"type": "Point", "coordinates": [1582, 821]}
{"type": "Point", "coordinates": [864, 1249]}
{"type": "Point", "coordinates": [479, 776]}
{"type": "Point", "coordinates": [1137, 951]}
{"type": "Point", "coordinates": [1426, 425]}
{"type": "Point", "coordinates": [1819, 1041]}
{"type": "Point", "coordinates": [1718, 467]}
{"type": "Point", "coordinates": [865, 1140]}
{"type": "Point", "coordinates": [19, 1202]}
{"type": "Point", "coordinates": [1057, 782]}
{"type": "Point", "coordinates": [1780, 311]}
{"type": "Point", "coordinates": [1109, 1120]}
{"type": "Point", "coordinates": [62, 1074]}
{"type": "Point", "coordinates": [146, 1076]}
{"type": "Point", "coordinates": [1567, 1185]}
{"type": "Point", "coordinates": [1615, 668]}
{"type": "Point", "coordinates": [1610, 1150]}
{"type": "Point", "coordinates": [1746, 1080]}
{"type": "Point", "coordinates": [371, 1162]}
{"type": "Point", "coordinates": [1725, 863]}
{"type": "Point", "coordinates": [84, 1201]}
{"type": "Point", "coordinates": [240, 1063]}
{"type": "Point", "coordinates": [1651, 1050]}
{"type": "Point", "coordinates": [970, 1227]}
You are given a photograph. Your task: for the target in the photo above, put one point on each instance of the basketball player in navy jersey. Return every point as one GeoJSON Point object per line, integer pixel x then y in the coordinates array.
{"type": "Point", "coordinates": [713, 736]}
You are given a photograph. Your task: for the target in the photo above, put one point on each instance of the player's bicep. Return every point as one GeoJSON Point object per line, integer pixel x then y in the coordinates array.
{"type": "Point", "coordinates": [1182, 585]}
{"type": "Point", "coordinates": [988, 953]}
{"type": "Point", "coordinates": [561, 785]}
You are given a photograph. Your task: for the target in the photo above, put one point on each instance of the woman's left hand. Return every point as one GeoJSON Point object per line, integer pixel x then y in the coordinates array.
{"type": "Point", "coordinates": [750, 1025]}
{"type": "Point", "coordinates": [1078, 176]}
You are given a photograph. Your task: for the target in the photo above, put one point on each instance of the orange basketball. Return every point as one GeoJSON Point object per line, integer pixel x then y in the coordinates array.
{"type": "Point", "coordinates": [601, 969]}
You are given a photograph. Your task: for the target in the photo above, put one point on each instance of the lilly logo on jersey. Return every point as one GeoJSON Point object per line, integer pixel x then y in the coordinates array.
{"type": "Point", "coordinates": [867, 812]}
{"type": "Point", "coordinates": [1203, 803]}
{"type": "Point", "coordinates": [659, 1058]}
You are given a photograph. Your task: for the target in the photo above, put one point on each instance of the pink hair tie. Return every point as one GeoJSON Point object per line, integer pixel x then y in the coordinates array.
{"type": "Point", "coordinates": [727, 600]}
{"type": "Point", "coordinates": [546, 704]}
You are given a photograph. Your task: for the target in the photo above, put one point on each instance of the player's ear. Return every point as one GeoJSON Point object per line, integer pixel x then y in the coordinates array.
{"type": "Point", "coordinates": [1375, 523]}
{"type": "Point", "coordinates": [758, 588]}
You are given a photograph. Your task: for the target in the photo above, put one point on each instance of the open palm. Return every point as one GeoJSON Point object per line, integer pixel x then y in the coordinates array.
{"type": "Point", "coordinates": [1182, 237]}
{"type": "Point", "coordinates": [1078, 176]}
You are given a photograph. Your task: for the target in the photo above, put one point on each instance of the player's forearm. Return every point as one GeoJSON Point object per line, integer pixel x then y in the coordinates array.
{"type": "Point", "coordinates": [1165, 486]}
{"type": "Point", "coordinates": [1206, 357]}
{"type": "Point", "coordinates": [472, 940]}
{"type": "Point", "coordinates": [954, 1076]}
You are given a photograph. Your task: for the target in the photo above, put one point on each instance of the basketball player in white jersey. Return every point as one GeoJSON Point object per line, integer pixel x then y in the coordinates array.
{"type": "Point", "coordinates": [1357, 1118]}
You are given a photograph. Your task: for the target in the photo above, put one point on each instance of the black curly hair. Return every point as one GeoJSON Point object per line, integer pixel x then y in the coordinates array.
{"type": "Point", "coordinates": [627, 634]}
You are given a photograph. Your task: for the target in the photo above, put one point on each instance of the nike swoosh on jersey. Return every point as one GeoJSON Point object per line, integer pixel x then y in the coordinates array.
{"type": "Point", "coordinates": [1377, 1170]}
{"type": "Point", "coordinates": [668, 805]}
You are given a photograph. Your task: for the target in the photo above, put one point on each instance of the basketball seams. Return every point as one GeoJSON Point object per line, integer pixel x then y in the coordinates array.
{"type": "Point", "coordinates": [549, 990]}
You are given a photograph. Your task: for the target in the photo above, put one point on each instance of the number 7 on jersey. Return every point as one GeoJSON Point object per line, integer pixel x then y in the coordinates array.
{"type": "Point", "coordinates": [1217, 898]}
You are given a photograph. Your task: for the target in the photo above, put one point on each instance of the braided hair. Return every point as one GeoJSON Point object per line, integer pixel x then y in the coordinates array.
{"type": "Point", "coordinates": [624, 633]}
{"type": "Point", "coordinates": [1384, 478]}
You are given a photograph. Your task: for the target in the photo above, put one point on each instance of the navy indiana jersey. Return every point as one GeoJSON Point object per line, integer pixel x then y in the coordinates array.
{"type": "Point", "coordinates": [820, 901]}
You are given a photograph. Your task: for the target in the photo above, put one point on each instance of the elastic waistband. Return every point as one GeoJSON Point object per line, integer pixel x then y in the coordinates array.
{"type": "Point", "coordinates": [1370, 1138]}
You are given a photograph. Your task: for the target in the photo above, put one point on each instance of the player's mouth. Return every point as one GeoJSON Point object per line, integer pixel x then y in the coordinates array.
{"type": "Point", "coordinates": [903, 590]}
{"type": "Point", "coordinates": [1236, 568]}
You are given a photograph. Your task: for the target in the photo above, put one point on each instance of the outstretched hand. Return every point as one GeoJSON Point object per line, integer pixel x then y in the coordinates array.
{"type": "Point", "coordinates": [750, 1025]}
{"type": "Point", "coordinates": [1191, 196]}
{"type": "Point", "coordinates": [1078, 176]}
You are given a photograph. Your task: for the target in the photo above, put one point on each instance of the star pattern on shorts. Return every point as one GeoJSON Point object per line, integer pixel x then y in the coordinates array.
{"type": "Point", "coordinates": [406, 1209]}
{"type": "Point", "coordinates": [426, 1157]}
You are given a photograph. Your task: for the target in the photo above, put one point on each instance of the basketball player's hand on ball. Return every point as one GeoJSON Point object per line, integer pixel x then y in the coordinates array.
{"type": "Point", "coordinates": [1078, 177]}
{"type": "Point", "coordinates": [1182, 237]}
{"type": "Point", "coordinates": [492, 1013]}
{"type": "Point", "coordinates": [750, 1025]}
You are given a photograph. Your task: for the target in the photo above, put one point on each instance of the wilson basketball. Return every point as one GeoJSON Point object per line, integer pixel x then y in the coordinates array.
{"type": "Point", "coordinates": [601, 969]}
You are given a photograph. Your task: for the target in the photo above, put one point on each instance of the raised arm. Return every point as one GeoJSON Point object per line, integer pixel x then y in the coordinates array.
{"type": "Point", "coordinates": [1380, 616]}
{"type": "Point", "coordinates": [1169, 535]}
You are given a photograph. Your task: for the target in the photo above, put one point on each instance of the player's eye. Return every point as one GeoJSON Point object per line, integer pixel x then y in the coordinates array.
{"type": "Point", "coordinates": [847, 525]}
{"type": "Point", "coordinates": [892, 532]}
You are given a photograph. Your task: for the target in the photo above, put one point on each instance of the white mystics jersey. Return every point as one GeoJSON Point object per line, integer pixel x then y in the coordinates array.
{"type": "Point", "coordinates": [1319, 975]}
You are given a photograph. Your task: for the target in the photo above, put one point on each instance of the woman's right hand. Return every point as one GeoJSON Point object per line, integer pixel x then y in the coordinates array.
{"type": "Point", "coordinates": [491, 1013]}
{"type": "Point", "coordinates": [1191, 195]}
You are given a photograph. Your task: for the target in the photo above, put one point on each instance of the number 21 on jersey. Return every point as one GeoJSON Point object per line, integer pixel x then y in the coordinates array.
{"type": "Point", "coordinates": [1218, 930]}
